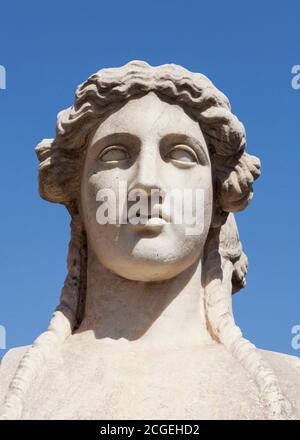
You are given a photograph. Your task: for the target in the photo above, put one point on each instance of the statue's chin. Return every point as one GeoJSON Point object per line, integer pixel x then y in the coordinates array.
{"type": "Point", "coordinates": [149, 270]}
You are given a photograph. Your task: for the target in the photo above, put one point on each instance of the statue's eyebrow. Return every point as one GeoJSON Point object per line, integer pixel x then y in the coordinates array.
{"type": "Point", "coordinates": [117, 138]}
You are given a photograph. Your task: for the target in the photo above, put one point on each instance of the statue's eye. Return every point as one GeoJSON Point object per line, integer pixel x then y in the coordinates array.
{"type": "Point", "coordinates": [114, 153]}
{"type": "Point", "coordinates": [182, 153]}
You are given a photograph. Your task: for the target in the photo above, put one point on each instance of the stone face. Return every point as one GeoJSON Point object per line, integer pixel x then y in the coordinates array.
{"type": "Point", "coordinates": [144, 328]}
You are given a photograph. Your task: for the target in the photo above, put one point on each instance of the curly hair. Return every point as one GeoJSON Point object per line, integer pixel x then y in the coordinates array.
{"type": "Point", "coordinates": [225, 264]}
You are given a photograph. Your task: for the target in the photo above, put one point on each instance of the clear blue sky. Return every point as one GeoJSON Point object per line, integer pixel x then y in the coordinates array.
{"type": "Point", "coordinates": [246, 48]}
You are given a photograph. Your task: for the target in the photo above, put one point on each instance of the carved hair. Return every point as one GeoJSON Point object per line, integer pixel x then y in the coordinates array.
{"type": "Point", "coordinates": [225, 264]}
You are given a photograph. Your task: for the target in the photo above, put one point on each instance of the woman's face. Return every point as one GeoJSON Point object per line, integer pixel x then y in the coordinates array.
{"type": "Point", "coordinates": [154, 150]}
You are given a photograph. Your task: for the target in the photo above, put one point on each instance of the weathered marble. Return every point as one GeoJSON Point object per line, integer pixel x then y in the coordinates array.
{"type": "Point", "coordinates": [124, 382]}
{"type": "Point", "coordinates": [144, 328]}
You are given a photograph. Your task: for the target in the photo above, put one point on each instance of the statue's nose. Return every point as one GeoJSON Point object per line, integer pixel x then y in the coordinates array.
{"type": "Point", "coordinates": [148, 169]}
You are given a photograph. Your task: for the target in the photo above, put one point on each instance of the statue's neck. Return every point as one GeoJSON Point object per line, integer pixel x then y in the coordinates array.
{"type": "Point", "coordinates": [168, 313]}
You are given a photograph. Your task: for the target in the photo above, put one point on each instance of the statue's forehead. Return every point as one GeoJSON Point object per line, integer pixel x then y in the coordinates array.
{"type": "Point", "coordinates": [146, 116]}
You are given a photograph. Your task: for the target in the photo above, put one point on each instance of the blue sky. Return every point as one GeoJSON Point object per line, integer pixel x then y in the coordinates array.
{"type": "Point", "coordinates": [246, 49]}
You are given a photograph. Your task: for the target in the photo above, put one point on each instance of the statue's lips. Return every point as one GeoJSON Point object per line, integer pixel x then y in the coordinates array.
{"type": "Point", "coordinates": [150, 222]}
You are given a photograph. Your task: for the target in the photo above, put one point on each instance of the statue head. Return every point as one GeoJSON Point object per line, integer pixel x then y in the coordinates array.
{"type": "Point", "coordinates": [160, 128]}
{"type": "Point", "coordinates": [155, 128]}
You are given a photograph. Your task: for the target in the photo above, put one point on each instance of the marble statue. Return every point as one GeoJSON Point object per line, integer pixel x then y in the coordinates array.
{"type": "Point", "coordinates": [144, 328]}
